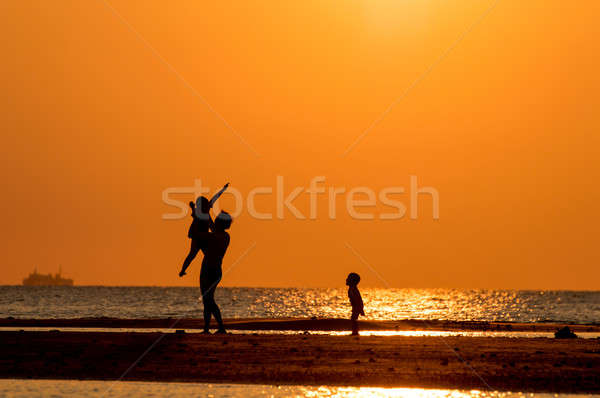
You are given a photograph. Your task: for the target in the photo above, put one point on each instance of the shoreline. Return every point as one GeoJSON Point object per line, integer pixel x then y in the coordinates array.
{"type": "Point", "coordinates": [301, 324]}
{"type": "Point", "coordinates": [505, 364]}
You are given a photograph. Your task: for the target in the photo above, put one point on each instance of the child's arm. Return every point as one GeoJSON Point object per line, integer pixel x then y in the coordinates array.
{"type": "Point", "coordinates": [211, 223]}
{"type": "Point", "coordinates": [357, 303]}
{"type": "Point", "coordinates": [216, 196]}
{"type": "Point", "coordinates": [193, 207]}
{"type": "Point", "coordinates": [362, 306]}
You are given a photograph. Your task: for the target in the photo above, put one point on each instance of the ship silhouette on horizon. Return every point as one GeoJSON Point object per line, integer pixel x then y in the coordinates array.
{"type": "Point", "coordinates": [35, 279]}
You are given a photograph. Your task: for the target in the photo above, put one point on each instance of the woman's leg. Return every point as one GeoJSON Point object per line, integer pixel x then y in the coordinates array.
{"type": "Point", "coordinates": [216, 311]}
{"type": "Point", "coordinates": [208, 286]}
{"type": "Point", "coordinates": [208, 300]}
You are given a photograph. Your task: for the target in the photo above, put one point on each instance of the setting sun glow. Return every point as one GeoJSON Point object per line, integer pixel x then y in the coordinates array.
{"type": "Point", "coordinates": [107, 104]}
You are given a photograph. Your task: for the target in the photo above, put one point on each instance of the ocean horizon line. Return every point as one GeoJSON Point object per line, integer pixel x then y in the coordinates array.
{"type": "Point", "coordinates": [334, 287]}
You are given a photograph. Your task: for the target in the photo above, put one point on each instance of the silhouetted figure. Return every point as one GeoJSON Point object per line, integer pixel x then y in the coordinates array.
{"type": "Point", "coordinates": [355, 300]}
{"type": "Point", "coordinates": [217, 243]}
{"type": "Point", "coordinates": [199, 227]}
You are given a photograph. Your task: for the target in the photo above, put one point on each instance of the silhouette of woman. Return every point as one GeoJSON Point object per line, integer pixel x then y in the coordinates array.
{"type": "Point", "coordinates": [211, 272]}
{"type": "Point", "coordinates": [199, 227]}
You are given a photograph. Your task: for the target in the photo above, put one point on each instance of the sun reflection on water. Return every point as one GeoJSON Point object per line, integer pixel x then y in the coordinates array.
{"type": "Point", "coordinates": [429, 304]}
{"type": "Point", "coordinates": [95, 389]}
{"type": "Point", "coordinates": [374, 392]}
{"type": "Point", "coordinates": [237, 302]}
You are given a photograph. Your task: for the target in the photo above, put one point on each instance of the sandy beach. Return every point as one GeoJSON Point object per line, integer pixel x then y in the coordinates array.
{"type": "Point", "coordinates": [516, 364]}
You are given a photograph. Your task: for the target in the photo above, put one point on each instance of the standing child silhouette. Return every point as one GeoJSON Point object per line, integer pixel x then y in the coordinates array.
{"type": "Point", "coordinates": [355, 300]}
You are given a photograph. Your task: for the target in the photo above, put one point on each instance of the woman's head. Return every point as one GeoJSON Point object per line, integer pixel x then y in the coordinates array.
{"type": "Point", "coordinates": [223, 221]}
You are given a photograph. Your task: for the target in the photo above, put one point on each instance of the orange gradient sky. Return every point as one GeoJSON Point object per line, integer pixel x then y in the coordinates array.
{"type": "Point", "coordinates": [106, 104]}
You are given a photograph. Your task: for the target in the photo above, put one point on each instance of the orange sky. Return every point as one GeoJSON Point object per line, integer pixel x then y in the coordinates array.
{"type": "Point", "coordinates": [97, 121]}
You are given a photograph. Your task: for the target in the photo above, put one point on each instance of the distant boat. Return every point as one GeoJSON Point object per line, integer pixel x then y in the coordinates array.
{"type": "Point", "coordinates": [35, 279]}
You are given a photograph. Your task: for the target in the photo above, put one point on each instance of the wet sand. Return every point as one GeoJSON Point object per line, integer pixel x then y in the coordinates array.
{"type": "Point", "coordinates": [298, 324]}
{"type": "Point", "coordinates": [515, 364]}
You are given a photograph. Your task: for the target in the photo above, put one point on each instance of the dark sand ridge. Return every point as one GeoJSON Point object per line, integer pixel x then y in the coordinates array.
{"type": "Point", "coordinates": [298, 324]}
{"type": "Point", "coordinates": [509, 364]}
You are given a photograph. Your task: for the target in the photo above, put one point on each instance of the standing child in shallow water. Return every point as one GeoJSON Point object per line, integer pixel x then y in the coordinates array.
{"type": "Point", "coordinates": [355, 300]}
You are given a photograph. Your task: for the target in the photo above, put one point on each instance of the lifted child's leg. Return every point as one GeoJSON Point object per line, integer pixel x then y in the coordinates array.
{"type": "Point", "coordinates": [194, 249]}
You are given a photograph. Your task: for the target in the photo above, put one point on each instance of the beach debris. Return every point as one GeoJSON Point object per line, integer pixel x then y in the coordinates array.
{"type": "Point", "coordinates": [565, 333]}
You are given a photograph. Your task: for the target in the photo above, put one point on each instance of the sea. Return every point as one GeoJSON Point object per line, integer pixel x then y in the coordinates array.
{"type": "Point", "coordinates": [129, 389]}
{"type": "Point", "coordinates": [240, 302]}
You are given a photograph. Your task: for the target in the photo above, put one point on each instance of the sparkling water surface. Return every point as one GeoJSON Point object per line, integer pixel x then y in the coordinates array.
{"type": "Point", "coordinates": [430, 304]}
{"type": "Point", "coordinates": [110, 389]}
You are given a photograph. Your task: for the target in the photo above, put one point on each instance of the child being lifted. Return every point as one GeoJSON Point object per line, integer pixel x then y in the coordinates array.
{"type": "Point", "coordinates": [198, 230]}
